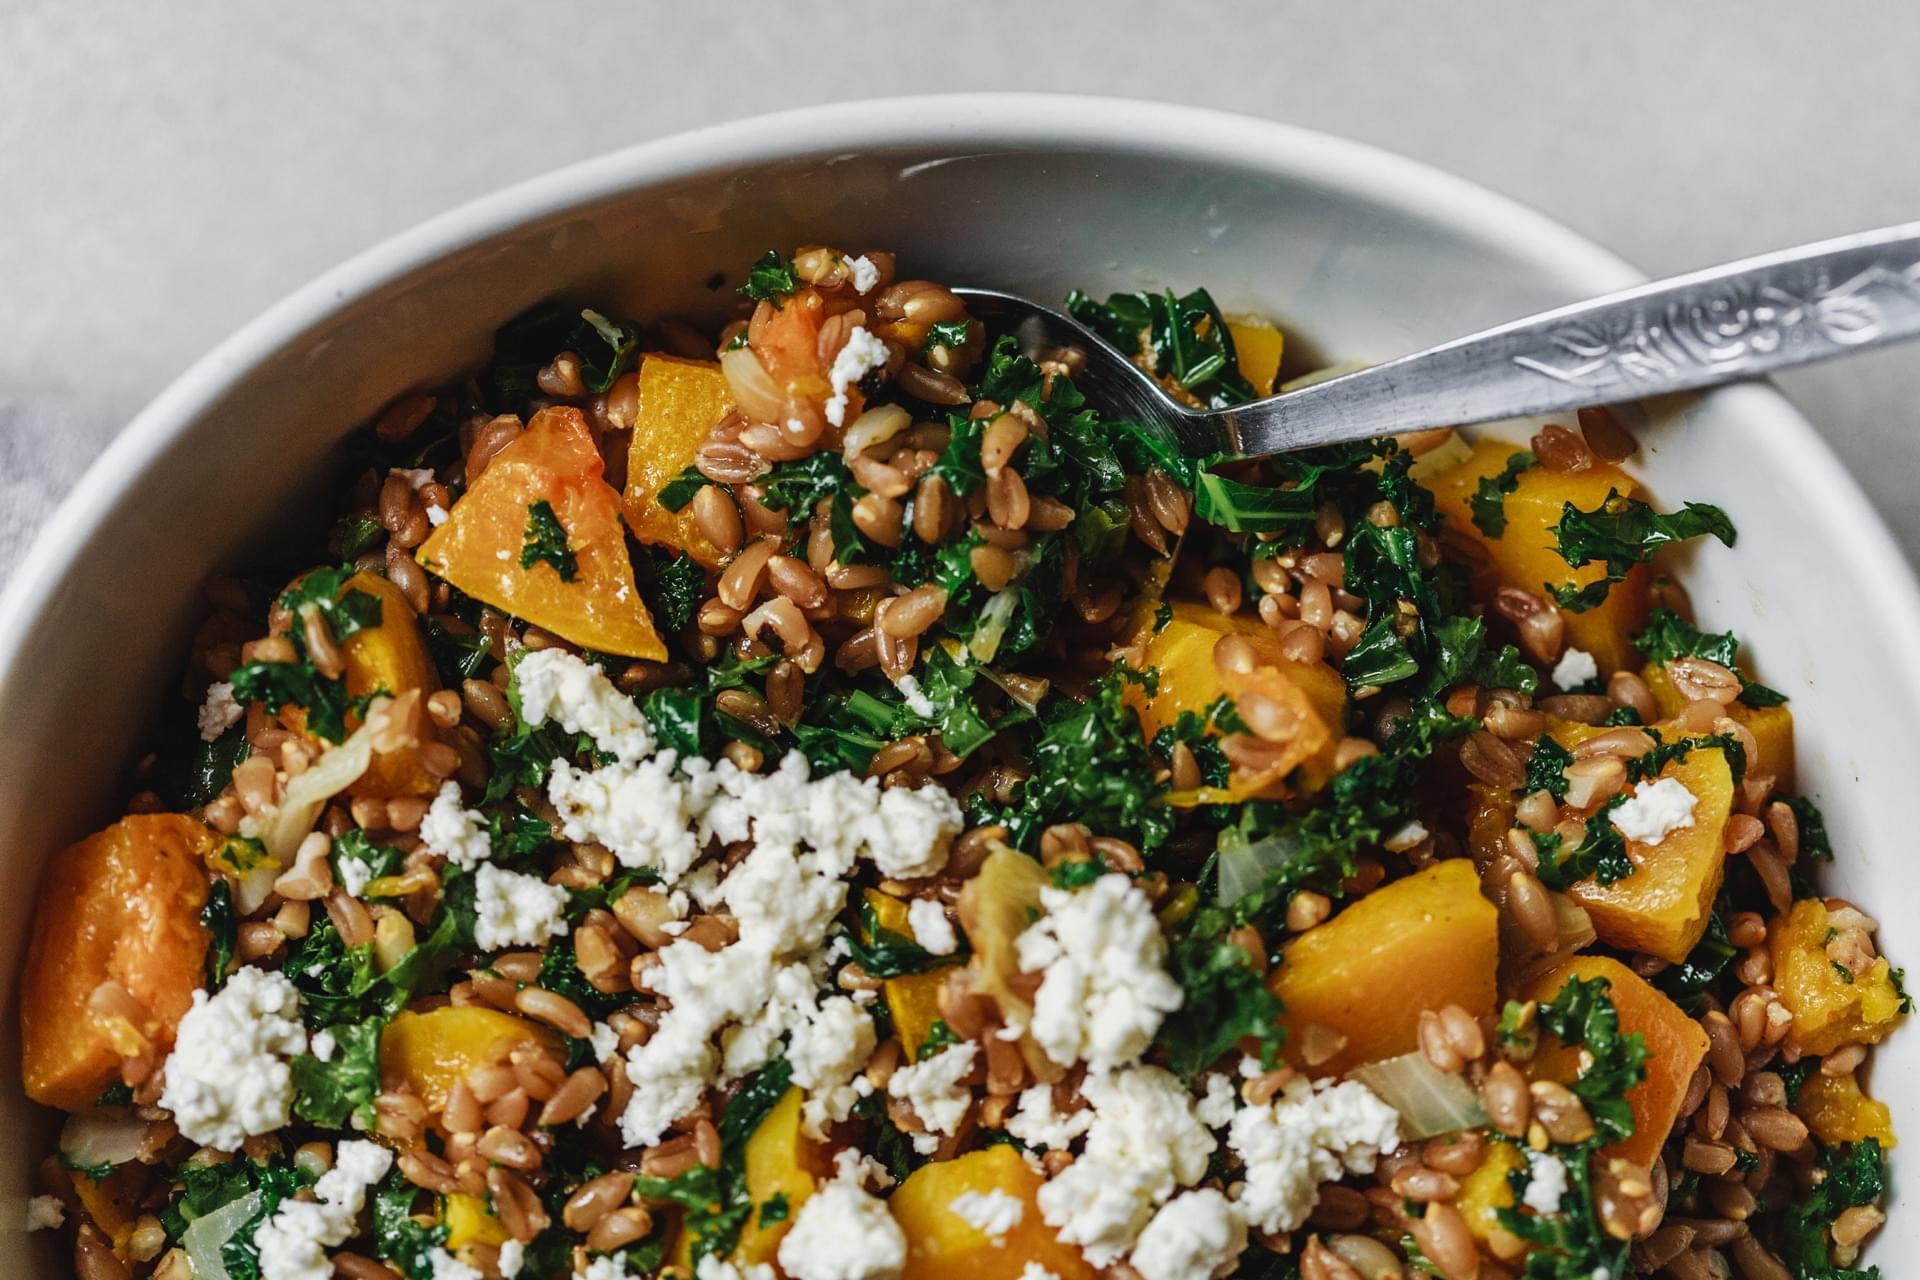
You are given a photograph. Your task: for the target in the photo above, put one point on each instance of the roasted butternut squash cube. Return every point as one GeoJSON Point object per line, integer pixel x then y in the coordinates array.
{"type": "Point", "coordinates": [1259, 347]}
{"type": "Point", "coordinates": [390, 658]}
{"type": "Point", "coordinates": [1367, 974]}
{"type": "Point", "coordinates": [470, 1222]}
{"type": "Point", "coordinates": [1525, 554]}
{"type": "Point", "coordinates": [1676, 1045]}
{"type": "Point", "coordinates": [429, 1052]}
{"type": "Point", "coordinates": [1832, 1006]}
{"type": "Point", "coordinates": [478, 549]}
{"type": "Point", "coordinates": [680, 401]}
{"type": "Point", "coordinates": [1664, 905]}
{"type": "Point", "coordinates": [119, 915]}
{"type": "Point", "coordinates": [1486, 1191]}
{"type": "Point", "coordinates": [1771, 727]}
{"type": "Point", "coordinates": [1837, 1111]}
{"type": "Point", "coordinates": [780, 1161]}
{"type": "Point", "coordinates": [113, 1204]}
{"type": "Point", "coordinates": [913, 999]}
{"type": "Point", "coordinates": [943, 1245]}
{"type": "Point", "coordinates": [1181, 653]}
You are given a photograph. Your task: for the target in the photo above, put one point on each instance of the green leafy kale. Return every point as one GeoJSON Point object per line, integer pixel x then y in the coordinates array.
{"type": "Point", "coordinates": [1855, 1174]}
{"type": "Point", "coordinates": [323, 591]}
{"type": "Point", "coordinates": [951, 334]}
{"type": "Point", "coordinates": [888, 954]}
{"type": "Point", "coordinates": [1686, 983]}
{"type": "Point", "coordinates": [679, 491]}
{"type": "Point", "coordinates": [200, 1189]}
{"type": "Point", "coordinates": [1601, 854]}
{"type": "Point", "coordinates": [1488, 503]}
{"type": "Point", "coordinates": [1546, 768]}
{"type": "Point", "coordinates": [771, 279]}
{"type": "Point", "coordinates": [1226, 1000]}
{"type": "Point", "coordinates": [327, 1093]}
{"type": "Point", "coordinates": [299, 684]}
{"type": "Point", "coordinates": [673, 589]}
{"type": "Point", "coordinates": [339, 984]}
{"type": "Point", "coordinates": [355, 845]}
{"type": "Point", "coordinates": [218, 917]}
{"type": "Point", "coordinates": [1181, 338]}
{"type": "Point", "coordinates": [1815, 843]}
{"type": "Point", "coordinates": [939, 1036]}
{"type": "Point", "coordinates": [459, 655]}
{"type": "Point", "coordinates": [527, 343]}
{"type": "Point", "coordinates": [1460, 656]}
{"type": "Point", "coordinates": [1623, 532]}
{"type": "Point", "coordinates": [1090, 763]}
{"type": "Point", "coordinates": [402, 1241]}
{"type": "Point", "coordinates": [560, 973]}
{"type": "Point", "coordinates": [546, 540]}
{"type": "Point", "coordinates": [1669, 636]}
{"type": "Point", "coordinates": [716, 1201]}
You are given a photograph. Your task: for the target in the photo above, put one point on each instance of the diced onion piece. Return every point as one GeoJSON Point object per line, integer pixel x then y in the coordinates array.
{"type": "Point", "coordinates": [1245, 867]}
{"type": "Point", "coordinates": [754, 391]}
{"type": "Point", "coordinates": [1430, 1101]}
{"type": "Point", "coordinates": [993, 625]}
{"type": "Point", "coordinates": [204, 1236]}
{"type": "Point", "coordinates": [96, 1140]}
{"type": "Point", "coordinates": [281, 829]}
{"type": "Point", "coordinates": [875, 426]}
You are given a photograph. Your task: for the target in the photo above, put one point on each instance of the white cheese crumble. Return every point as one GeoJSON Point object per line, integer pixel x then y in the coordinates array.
{"type": "Point", "coordinates": [1144, 1144]}
{"type": "Point", "coordinates": [1034, 1271]}
{"type": "Point", "coordinates": [916, 699]}
{"type": "Point", "coordinates": [1307, 1135]}
{"type": "Point", "coordinates": [931, 928]}
{"type": "Point", "coordinates": [843, 1233]}
{"type": "Point", "coordinates": [1546, 1184]}
{"type": "Point", "coordinates": [1655, 810]}
{"type": "Point", "coordinates": [323, 1045]}
{"type": "Point", "coordinates": [642, 812]}
{"type": "Point", "coordinates": [605, 1041]}
{"type": "Point", "coordinates": [354, 872]}
{"type": "Point", "coordinates": [516, 910]}
{"type": "Point", "coordinates": [1106, 988]}
{"type": "Point", "coordinates": [447, 1267]}
{"type": "Point", "coordinates": [714, 1267]}
{"type": "Point", "coordinates": [828, 1048]}
{"type": "Point", "coordinates": [294, 1241]}
{"type": "Point", "coordinates": [219, 712]}
{"type": "Point", "coordinates": [862, 354]}
{"type": "Point", "coordinates": [1037, 1124]}
{"type": "Point", "coordinates": [606, 1267]}
{"type": "Point", "coordinates": [993, 1213]}
{"type": "Point", "coordinates": [552, 684]}
{"type": "Point", "coordinates": [228, 1077]}
{"type": "Point", "coordinates": [936, 1089]}
{"type": "Point", "coordinates": [865, 274]}
{"type": "Point", "coordinates": [436, 515]}
{"type": "Point", "coordinates": [1192, 1236]}
{"type": "Point", "coordinates": [1575, 668]}
{"type": "Point", "coordinates": [513, 1254]}
{"type": "Point", "coordinates": [453, 831]}
{"type": "Point", "coordinates": [45, 1213]}
{"type": "Point", "coordinates": [1215, 1110]}
{"type": "Point", "coordinates": [1406, 837]}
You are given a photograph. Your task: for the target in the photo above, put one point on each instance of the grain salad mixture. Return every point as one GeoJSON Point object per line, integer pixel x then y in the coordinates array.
{"type": "Point", "coordinates": [821, 799]}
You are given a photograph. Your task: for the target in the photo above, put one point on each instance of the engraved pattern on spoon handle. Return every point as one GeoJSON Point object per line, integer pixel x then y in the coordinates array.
{"type": "Point", "coordinates": [1741, 320]}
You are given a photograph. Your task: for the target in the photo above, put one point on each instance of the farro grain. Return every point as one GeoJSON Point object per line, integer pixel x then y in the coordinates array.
{"type": "Point", "coordinates": [620, 1228]}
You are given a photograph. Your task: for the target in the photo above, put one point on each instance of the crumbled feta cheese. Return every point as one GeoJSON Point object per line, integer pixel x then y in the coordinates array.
{"type": "Point", "coordinates": [219, 712]}
{"type": "Point", "coordinates": [417, 478]}
{"type": "Point", "coordinates": [1546, 1184]}
{"type": "Point", "coordinates": [436, 514]}
{"type": "Point", "coordinates": [842, 1233]}
{"type": "Point", "coordinates": [862, 354]}
{"type": "Point", "coordinates": [605, 1041]}
{"type": "Point", "coordinates": [1307, 1135]}
{"type": "Point", "coordinates": [642, 812]}
{"type": "Point", "coordinates": [917, 700]}
{"type": "Point", "coordinates": [1222, 1099]}
{"type": "Point", "coordinates": [608, 1266]}
{"type": "Point", "coordinates": [45, 1213]}
{"type": "Point", "coordinates": [827, 1049]}
{"type": "Point", "coordinates": [862, 1170]}
{"type": "Point", "coordinates": [1575, 668]}
{"type": "Point", "coordinates": [516, 910]}
{"type": "Point", "coordinates": [228, 1077]}
{"type": "Point", "coordinates": [1406, 837]}
{"type": "Point", "coordinates": [1144, 1144]}
{"type": "Point", "coordinates": [993, 1213]}
{"type": "Point", "coordinates": [1034, 1271]}
{"type": "Point", "coordinates": [1106, 988]}
{"type": "Point", "coordinates": [931, 928]}
{"type": "Point", "coordinates": [354, 872]}
{"type": "Point", "coordinates": [1655, 810]}
{"type": "Point", "coordinates": [513, 1254]}
{"type": "Point", "coordinates": [865, 274]}
{"type": "Point", "coordinates": [293, 1242]}
{"type": "Point", "coordinates": [714, 1267]}
{"type": "Point", "coordinates": [323, 1045]}
{"type": "Point", "coordinates": [1192, 1236]}
{"type": "Point", "coordinates": [453, 831]}
{"type": "Point", "coordinates": [1037, 1124]}
{"type": "Point", "coordinates": [445, 1266]}
{"type": "Point", "coordinates": [937, 1088]}
{"type": "Point", "coordinates": [553, 684]}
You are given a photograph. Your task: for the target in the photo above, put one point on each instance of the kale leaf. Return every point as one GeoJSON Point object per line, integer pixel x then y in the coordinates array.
{"type": "Point", "coordinates": [327, 1093]}
{"type": "Point", "coordinates": [546, 540]}
{"type": "Point", "coordinates": [218, 918]}
{"type": "Point", "coordinates": [1855, 1174]}
{"type": "Point", "coordinates": [1183, 339]}
{"type": "Point", "coordinates": [1668, 636]}
{"type": "Point", "coordinates": [1488, 502]}
{"type": "Point", "coordinates": [771, 279]}
{"type": "Point", "coordinates": [1546, 768]}
{"type": "Point", "coordinates": [1623, 532]}
{"type": "Point", "coordinates": [1090, 763]}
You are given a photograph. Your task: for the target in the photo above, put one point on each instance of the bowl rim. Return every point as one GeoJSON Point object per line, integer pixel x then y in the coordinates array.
{"type": "Point", "coordinates": [1201, 137]}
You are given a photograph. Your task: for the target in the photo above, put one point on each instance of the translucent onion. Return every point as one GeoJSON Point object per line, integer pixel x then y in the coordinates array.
{"type": "Point", "coordinates": [754, 392]}
{"type": "Point", "coordinates": [875, 426]}
{"type": "Point", "coordinates": [993, 625]}
{"type": "Point", "coordinates": [96, 1140]}
{"type": "Point", "coordinates": [1430, 1101]}
{"type": "Point", "coordinates": [1245, 867]}
{"type": "Point", "coordinates": [204, 1236]}
{"type": "Point", "coordinates": [281, 829]}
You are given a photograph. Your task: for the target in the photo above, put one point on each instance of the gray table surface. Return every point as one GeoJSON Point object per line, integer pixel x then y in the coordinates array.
{"type": "Point", "coordinates": [171, 169]}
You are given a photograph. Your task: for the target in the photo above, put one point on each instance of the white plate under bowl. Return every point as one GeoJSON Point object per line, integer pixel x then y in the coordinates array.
{"type": "Point", "coordinates": [1364, 254]}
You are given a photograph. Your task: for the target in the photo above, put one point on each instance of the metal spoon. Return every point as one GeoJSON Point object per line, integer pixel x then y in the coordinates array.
{"type": "Point", "coordinates": [1698, 330]}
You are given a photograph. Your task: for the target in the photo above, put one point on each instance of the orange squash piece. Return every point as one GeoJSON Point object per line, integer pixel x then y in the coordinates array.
{"type": "Point", "coordinates": [113, 1203]}
{"type": "Point", "coordinates": [391, 658]}
{"type": "Point", "coordinates": [1831, 1009]}
{"type": "Point", "coordinates": [1181, 653]}
{"type": "Point", "coordinates": [1259, 347]}
{"type": "Point", "coordinates": [1486, 1191]}
{"type": "Point", "coordinates": [1367, 974]}
{"type": "Point", "coordinates": [942, 1245]}
{"type": "Point", "coordinates": [1525, 556]}
{"type": "Point", "coordinates": [1771, 727]}
{"type": "Point", "coordinates": [680, 401]}
{"type": "Point", "coordinates": [780, 1160]}
{"type": "Point", "coordinates": [1837, 1111]}
{"type": "Point", "coordinates": [1663, 907]}
{"type": "Point", "coordinates": [478, 549]}
{"type": "Point", "coordinates": [1676, 1045]}
{"type": "Point", "coordinates": [913, 999]}
{"type": "Point", "coordinates": [429, 1052]}
{"type": "Point", "coordinates": [122, 907]}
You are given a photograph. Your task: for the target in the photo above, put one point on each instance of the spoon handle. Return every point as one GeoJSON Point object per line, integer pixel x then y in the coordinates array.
{"type": "Point", "coordinates": [1737, 321]}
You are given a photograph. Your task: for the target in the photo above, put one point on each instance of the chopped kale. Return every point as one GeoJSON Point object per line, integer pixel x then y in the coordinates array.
{"type": "Point", "coordinates": [1686, 983]}
{"type": "Point", "coordinates": [1225, 1000]}
{"type": "Point", "coordinates": [1668, 636]}
{"type": "Point", "coordinates": [884, 953]}
{"type": "Point", "coordinates": [1090, 764]}
{"type": "Point", "coordinates": [1546, 768]}
{"type": "Point", "coordinates": [1183, 339]}
{"type": "Point", "coordinates": [529, 342]}
{"type": "Point", "coordinates": [679, 491]}
{"type": "Point", "coordinates": [1488, 503]}
{"type": "Point", "coordinates": [328, 1093]}
{"type": "Point", "coordinates": [1623, 532]}
{"type": "Point", "coordinates": [939, 1036]}
{"type": "Point", "coordinates": [771, 279]}
{"type": "Point", "coordinates": [546, 542]}
{"type": "Point", "coordinates": [1815, 843]}
{"type": "Point", "coordinates": [459, 655]}
{"type": "Point", "coordinates": [1855, 1174]}
{"type": "Point", "coordinates": [218, 918]}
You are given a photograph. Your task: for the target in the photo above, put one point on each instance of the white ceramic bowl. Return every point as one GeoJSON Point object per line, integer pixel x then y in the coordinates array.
{"type": "Point", "coordinates": [1364, 254]}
